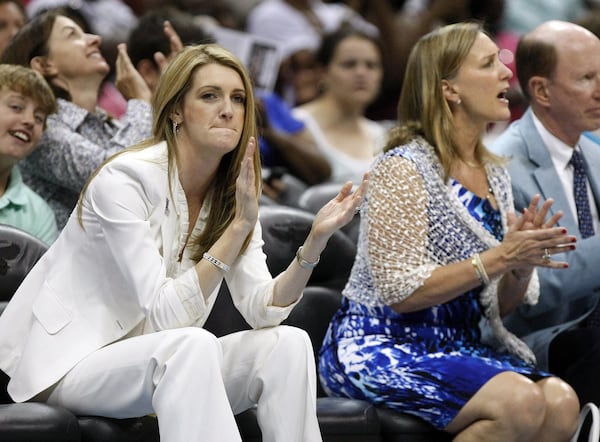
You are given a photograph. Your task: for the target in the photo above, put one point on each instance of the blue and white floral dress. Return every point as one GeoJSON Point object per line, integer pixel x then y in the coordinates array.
{"type": "Point", "coordinates": [430, 362]}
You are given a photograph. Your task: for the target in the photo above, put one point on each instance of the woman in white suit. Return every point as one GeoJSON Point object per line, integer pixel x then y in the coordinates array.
{"type": "Point", "coordinates": [109, 322]}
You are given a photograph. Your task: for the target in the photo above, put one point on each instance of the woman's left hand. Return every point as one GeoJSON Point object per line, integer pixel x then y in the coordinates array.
{"type": "Point", "coordinates": [340, 210]}
{"type": "Point", "coordinates": [534, 218]}
{"type": "Point", "coordinates": [128, 80]}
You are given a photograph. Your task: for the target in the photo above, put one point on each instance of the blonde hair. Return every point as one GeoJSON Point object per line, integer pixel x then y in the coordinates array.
{"type": "Point", "coordinates": [174, 83]}
{"type": "Point", "coordinates": [423, 109]}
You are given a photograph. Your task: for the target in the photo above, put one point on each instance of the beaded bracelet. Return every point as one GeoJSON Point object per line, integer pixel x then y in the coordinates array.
{"type": "Point", "coordinates": [217, 262]}
{"type": "Point", "coordinates": [303, 262]}
{"type": "Point", "coordinates": [480, 269]}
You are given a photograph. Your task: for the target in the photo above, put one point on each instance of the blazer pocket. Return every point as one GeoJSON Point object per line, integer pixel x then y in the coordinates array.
{"type": "Point", "coordinates": [51, 313]}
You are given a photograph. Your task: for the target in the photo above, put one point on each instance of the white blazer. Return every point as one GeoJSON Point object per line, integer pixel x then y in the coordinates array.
{"type": "Point", "coordinates": [120, 276]}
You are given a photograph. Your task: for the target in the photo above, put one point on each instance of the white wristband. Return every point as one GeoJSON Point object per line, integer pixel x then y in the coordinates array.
{"type": "Point", "coordinates": [303, 262]}
{"type": "Point", "coordinates": [220, 264]}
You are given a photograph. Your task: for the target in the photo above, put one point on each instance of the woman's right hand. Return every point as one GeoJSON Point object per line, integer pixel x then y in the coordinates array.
{"type": "Point", "coordinates": [246, 199]}
{"type": "Point", "coordinates": [532, 240]}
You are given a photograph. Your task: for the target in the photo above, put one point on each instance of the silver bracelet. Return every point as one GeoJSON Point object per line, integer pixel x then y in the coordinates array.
{"type": "Point", "coordinates": [480, 269]}
{"type": "Point", "coordinates": [303, 262]}
{"type": "Point", "coordinates": [217, 262]}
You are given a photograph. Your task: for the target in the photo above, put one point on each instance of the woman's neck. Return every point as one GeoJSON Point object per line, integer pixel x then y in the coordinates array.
{"type": "Point", "coordinates": [467, 135]}
{"type": "Point", "coordinates": [330, 111]}
{"type": "Point", "coordinates": [196, 173]}
{"type": "Point", "coordinates": [83, 92]}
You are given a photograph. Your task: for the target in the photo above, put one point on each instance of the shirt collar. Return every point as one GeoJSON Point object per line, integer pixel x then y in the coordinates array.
{"type": "Point", "coordinates": [14, 192]}
{"type": "Point", "coordinates": [559, 151]}
{"type": "Point", "coordinates": [74, 115]}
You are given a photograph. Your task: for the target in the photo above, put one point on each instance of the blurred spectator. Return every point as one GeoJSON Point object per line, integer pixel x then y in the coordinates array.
{"type": "Point", "coordinates": [523, 15]}
{"type": "Point", "coordinates": [299, 26]}
{"type": "Point", "coordinates": [298, 77]}
{"type": "Point", "coordinates": [149, 38]}
{"type": "Point", "coordinates": [112, 20]}
{"type": "Point", "coordinates": [287, 146]}
{"type": "Point", "coordinates": [351, 65]}
{"type": "Point", "coordinates": [591, 21]}
{"type": "Point", "coordinates": [12, 18]}
{"type": "Point", "coordinates": [25, 102]}
{"type": "Point", "coordinates": [80, 136]}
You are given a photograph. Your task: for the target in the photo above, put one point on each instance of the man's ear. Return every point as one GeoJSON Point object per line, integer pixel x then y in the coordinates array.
{"type": "Point", "coordinates": [538, 90]}
{"type": "Point", "coordinates": [42, 65]}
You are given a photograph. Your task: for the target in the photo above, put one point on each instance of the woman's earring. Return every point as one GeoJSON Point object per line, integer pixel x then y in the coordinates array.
{"type": "Point", "coordinates": [175, 127]}
{"type": "Point", "coordinates": [458, 101]}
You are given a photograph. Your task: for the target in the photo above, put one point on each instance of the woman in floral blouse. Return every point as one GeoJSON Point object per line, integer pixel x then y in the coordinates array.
{"type": "Point", "coordinates": [80, 136]}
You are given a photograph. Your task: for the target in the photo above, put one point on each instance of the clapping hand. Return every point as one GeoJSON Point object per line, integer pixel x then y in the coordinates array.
{"type": "Point", "coordinates": [532, 240]}
{"type": "Point", "coordinates": [128, 80]}
{"type": "Point", "coordinates": [340, 210]}
{"type": "Point", "coordinates": [246, 200]}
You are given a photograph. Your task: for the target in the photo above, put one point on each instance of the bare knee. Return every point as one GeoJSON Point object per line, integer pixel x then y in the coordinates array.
{"type": "Point", "coordinates": [509, 404]}
{"type": "Point", "coordinates": [523, 407]}
{"type": "Point", "coordinates": [562, 408]}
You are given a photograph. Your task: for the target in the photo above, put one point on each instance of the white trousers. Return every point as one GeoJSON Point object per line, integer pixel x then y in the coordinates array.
{"type": "Point", "coordinates": [196, 383]}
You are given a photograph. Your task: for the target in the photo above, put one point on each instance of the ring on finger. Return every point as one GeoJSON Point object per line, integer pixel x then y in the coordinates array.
{"type": "Point", "coordinates": [546, 256]}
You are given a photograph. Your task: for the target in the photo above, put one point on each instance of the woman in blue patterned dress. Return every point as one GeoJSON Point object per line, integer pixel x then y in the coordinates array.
{"type": "Point", "coordinates": [442, 257]}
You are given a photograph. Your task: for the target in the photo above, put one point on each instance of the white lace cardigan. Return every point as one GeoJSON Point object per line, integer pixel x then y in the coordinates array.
{"type": "Point", "coordinates": [412, 223]}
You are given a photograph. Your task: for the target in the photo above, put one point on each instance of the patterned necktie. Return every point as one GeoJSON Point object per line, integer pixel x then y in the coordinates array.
{"type": "Point", "coordinates": [584, 216]}
{"type": "Point", "coordinates": [582, 202]}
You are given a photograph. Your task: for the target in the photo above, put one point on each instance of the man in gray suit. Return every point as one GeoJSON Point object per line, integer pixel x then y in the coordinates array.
{"type": "Point", "coordinates": [558, 66]}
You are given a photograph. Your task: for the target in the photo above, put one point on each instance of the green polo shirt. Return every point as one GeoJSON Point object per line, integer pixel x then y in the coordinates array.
{"type": "Point", "coordinates": [23, 208]}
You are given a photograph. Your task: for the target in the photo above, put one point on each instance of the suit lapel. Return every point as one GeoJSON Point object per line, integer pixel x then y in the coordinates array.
{"type": "Point", "coordinates": [544, 174]}
{"type": "Point", "coordinates": [591, 157]}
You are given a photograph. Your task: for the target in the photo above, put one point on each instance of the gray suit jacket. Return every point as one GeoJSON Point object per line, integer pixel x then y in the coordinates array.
{"type": "Point", "coordinates": [567, 296]}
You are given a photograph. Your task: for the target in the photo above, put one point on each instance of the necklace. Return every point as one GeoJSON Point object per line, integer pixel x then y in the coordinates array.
{"type": "Point", "coordinates": [490, 196]}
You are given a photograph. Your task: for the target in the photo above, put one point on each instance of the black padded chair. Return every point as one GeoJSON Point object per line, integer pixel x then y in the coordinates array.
{"type": "Point", "coordinates": [28, 422]}
{"type": "Point", "coordinates": [293, 187]}
{"type": "Point", "coordinates": [340, 419]}
{"type": "Point", "coordinates": [316, 196]}
{"type": "Point", "coordinates": [284, 229]}
{"type": "Point", "coordinates": [19, 251]}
